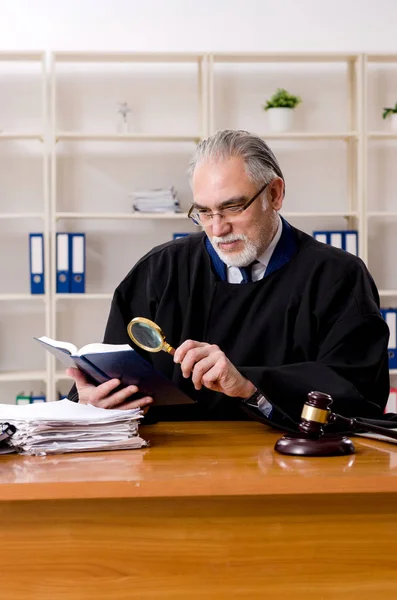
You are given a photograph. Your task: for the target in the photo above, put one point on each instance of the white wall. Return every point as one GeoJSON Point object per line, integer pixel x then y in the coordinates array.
{"type": "Point", "coordinates": [199, 25]}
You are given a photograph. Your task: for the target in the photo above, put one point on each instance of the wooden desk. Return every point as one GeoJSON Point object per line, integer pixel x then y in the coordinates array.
{"type": "Point", "coordinates": [209, 511]}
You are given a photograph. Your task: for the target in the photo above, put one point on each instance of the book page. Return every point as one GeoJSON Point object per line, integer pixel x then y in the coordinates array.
{"type": "Point", "coordinates": [70, 348]}
{"type": "Point", "coordinates": [99, 348]}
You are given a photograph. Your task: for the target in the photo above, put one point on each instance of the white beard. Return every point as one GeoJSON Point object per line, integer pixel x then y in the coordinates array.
{"type": "Point", "coordinates": [236, 259]}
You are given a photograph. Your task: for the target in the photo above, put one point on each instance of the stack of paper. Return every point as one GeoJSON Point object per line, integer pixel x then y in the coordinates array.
{"type": "Point", "coordinates": [65, 426]}
{"type": "Point", "coordinates": [156, 200]}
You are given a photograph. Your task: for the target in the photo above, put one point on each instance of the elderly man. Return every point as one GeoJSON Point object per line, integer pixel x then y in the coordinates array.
{"type": "Point", "coordinates": [259, 311]}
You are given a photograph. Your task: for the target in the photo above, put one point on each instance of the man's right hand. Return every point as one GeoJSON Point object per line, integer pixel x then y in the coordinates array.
{"type": "Point", "coordinates": [101, 395]}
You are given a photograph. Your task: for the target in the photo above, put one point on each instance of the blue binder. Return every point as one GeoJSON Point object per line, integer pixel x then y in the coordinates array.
{"type": "Point", "coordinates": [390, 316]}
{"type": "Point", "coordinates": [63, 263]}
{"type": "Point", "coordinates": [350, 241]}
{"type": "Point", "coordinates": [321, 236]}
{"type": "Point", "coordinates": [37, 399]}
{"type": "Point", "coordinates": [36, 260]}
{"type": "Point", "coordinates": [77, 263]}
{"type": "Point", "coordinates": [345, 240]}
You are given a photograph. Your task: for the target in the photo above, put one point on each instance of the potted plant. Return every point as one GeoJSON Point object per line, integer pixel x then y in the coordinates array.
{"type": "Point", "coordinates": [280, 110]}
{"type": "Point", "coordinates": [393, 116]}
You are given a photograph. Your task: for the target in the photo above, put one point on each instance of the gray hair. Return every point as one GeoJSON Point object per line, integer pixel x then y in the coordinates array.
{"type": "Point", "coordinates": [260, 163]}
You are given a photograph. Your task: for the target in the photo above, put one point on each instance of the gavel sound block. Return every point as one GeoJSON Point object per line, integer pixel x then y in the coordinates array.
{"type": "Point", "coordinates": [313, 441]}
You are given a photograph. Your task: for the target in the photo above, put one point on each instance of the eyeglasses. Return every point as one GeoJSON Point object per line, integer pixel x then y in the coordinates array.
{"type": "Point", "coordinates": [202, 216]}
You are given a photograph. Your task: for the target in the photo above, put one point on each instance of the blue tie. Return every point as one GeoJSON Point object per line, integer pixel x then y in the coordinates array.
{"type": "Point", "coordinates": [246, 272]}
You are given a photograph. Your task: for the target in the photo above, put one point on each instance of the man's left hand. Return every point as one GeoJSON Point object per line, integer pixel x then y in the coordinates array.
{"type": "Point", "coordinates": [210, 367]}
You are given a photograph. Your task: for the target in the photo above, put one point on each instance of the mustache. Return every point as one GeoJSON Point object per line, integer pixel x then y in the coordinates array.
{"type": "Point", "coordinates": [230, 237]}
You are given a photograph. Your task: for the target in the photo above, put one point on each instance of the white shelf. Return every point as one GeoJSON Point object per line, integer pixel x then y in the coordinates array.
{"type": "Point", "coordinates": [142, 57]}
{"type": "Point", "coordinates": [132, 216]}
{"type": "Point", "coordinates": [21, 135]}
{"type": "Point", "coordinates": [14, 297]}
{"type": "Point", "coordinates": [21, 215]}
{"type": "Point", "coordinates": [310, 135]}
{"type": "Point", "coordinates": [387, 293]}
{"type": "Point", "coordinates": [381, 213]}
{"type": "Point", "coordinates": [382, 135]}
{"type": "Point", "coordinates": [84, 296]}
{"type": "Point", "coordinates": [393, 371]}
{"type": "Point", "coordinates": [319, 214]}
{"type": "Point", "coordinates": [382, 58]}
{"type": "Point", "coordinates": [22, 55]}
{"type": "Point", "coordinates": [59, 376]}
{"type": "Point", "coordinates": [23, 376]}
{"type": "Point", "coordinates": [80, 136]}
{"type": "Point", "coordinates": [254, 57]}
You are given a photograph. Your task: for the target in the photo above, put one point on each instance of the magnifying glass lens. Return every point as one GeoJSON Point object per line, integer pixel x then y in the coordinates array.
{"type": "Point", "coordinates": [145, 335]}
{"type": "Point", "coordinates": [148, 335]}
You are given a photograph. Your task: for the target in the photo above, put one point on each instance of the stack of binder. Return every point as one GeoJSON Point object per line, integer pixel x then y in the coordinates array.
{"type": "Point", "coordinates": [156, 200]}
{"type": "Point", "coordinates": [390, 316]}
{"type": "Point", "coordinates": [70, 263]}
{"type": "Point", "coordinates": [64, 426]}
{"type": "Point", "coordinates": [345, 240]}
{"type": "Point", "coordinates": [31, 398]}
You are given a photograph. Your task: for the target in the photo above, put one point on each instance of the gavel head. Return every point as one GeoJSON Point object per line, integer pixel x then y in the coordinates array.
{"type": "Point", "coordinates": [315, 414]}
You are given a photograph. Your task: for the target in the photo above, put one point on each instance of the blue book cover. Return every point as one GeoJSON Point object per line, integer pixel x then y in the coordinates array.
{"type": "Point", "coordinates": [101, 362]}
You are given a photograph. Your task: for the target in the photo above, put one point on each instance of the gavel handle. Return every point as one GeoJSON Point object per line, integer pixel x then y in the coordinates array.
{"type": "Point", "coordinates": [357, 424]}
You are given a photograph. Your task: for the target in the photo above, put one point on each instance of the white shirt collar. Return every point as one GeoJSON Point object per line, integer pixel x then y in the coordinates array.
{"type": "Point", "coordinates": [258, 270]}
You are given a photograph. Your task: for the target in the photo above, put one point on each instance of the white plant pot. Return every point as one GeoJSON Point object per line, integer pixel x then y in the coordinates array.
{"type": "Point", "coordinates": [280, 119]}
{"type": "Point", "coordinates": [393, 121]}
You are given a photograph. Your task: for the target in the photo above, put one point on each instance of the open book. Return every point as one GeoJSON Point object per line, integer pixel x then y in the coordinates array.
{"type": "Point", "coordinates": [101, 362]}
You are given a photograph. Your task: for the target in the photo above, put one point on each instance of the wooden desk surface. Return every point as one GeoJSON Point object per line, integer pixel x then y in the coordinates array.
{"type": "Point", "coordinates": [197, 460]}
{"type": "Point", "coordinates": [210, 511]}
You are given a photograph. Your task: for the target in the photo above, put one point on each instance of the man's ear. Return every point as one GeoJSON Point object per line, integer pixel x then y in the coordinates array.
{"type": "Point", "coordinates": [276, 193]}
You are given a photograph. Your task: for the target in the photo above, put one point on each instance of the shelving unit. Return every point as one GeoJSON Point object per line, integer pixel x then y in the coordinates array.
{"type": "Point", "coordinates": [353, 136]}
{"type": "Point", "coordinates": [38, 59]}
{"type": "Point", "coordinates": [98, 135]}
{"type": "Point", "coordinates": [377, 60]}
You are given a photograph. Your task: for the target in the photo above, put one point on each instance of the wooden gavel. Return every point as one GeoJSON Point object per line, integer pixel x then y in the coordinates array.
{"type": "Point", "coordinates": [315, 415]}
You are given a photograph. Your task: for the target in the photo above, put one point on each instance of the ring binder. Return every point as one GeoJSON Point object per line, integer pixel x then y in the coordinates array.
{"type": "Point", "coordinates": [36, 256]}
{"type": "Point", "coordinates": [77, 261]}
{"type": "Point", "coordinates": [63, 262]}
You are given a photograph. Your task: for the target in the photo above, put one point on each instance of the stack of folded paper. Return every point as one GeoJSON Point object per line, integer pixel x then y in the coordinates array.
{"type": "Point", "coordinates": [155, 200]}
{"type": "Point", "coordinates": [64, 426]}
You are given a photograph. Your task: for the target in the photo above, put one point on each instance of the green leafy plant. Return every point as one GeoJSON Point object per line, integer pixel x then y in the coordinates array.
{"type": "Point", "coordinates": [282, 99]}
{"type": "Point", "coordinates": [389, 111]}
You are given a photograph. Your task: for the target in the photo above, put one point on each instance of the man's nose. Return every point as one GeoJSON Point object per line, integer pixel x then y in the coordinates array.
{"type": "Point", "coordinates": [220, 226]}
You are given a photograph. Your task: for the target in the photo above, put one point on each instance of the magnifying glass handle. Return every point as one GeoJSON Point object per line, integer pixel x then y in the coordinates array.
{"type": "Point", "coordinates": [168, 348]}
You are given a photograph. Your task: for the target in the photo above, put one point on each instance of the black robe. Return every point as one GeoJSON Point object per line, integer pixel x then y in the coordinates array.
{"type": "Point", "coordinates": [313, 324]}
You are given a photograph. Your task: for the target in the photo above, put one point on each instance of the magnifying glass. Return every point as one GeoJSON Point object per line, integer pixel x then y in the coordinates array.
{"type": "Point", "coordinates": [147, 335]}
